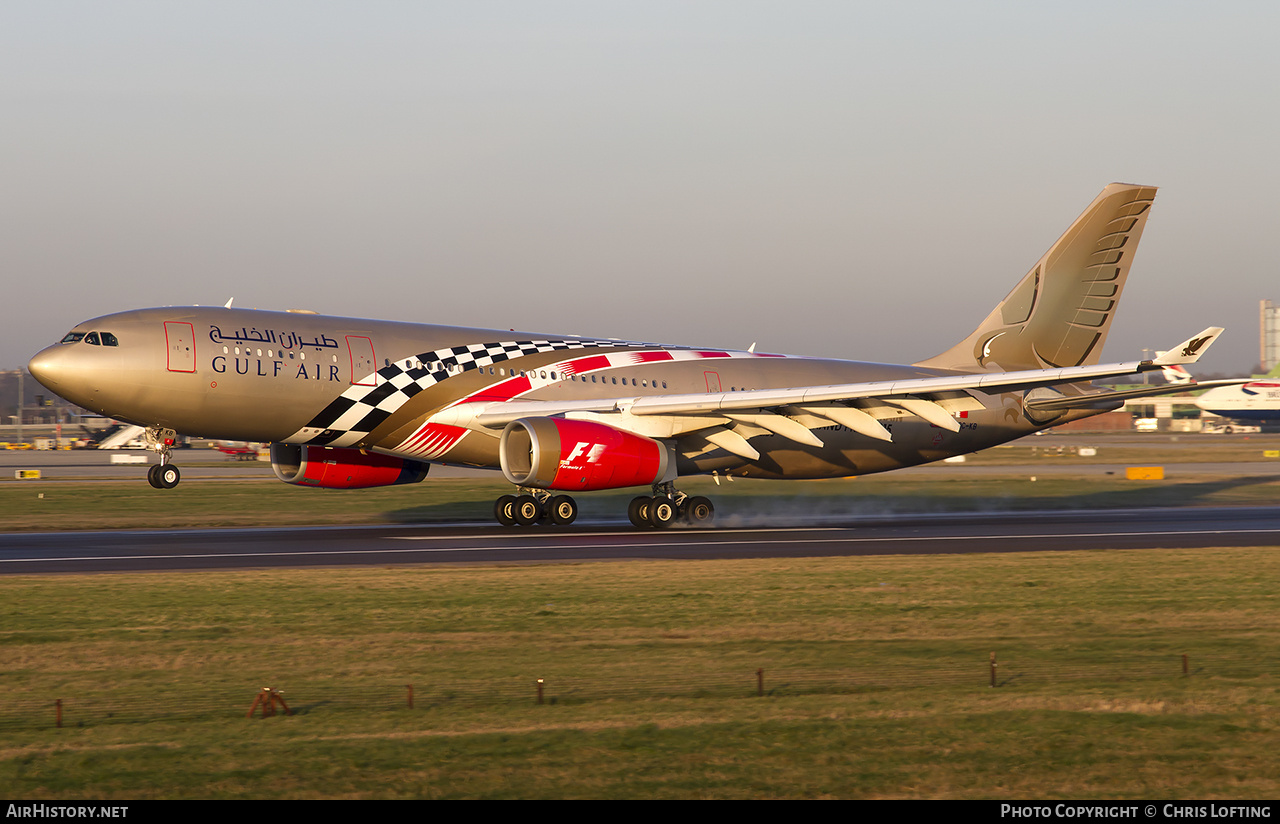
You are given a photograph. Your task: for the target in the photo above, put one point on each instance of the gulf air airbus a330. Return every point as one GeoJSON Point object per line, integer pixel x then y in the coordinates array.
{"type": "Point", "coordinates": [350, 403]}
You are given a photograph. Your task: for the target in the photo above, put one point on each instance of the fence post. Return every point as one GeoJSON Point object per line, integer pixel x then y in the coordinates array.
{"type": "Point", "coordinates": [993, 669]}
{"type": "Point", "coordinates": [760, 681]}
{"type": "Point", "coordinates": [57, 704]}
{"type": "Point", "coordinates": [539, 690]}
{"type": "Point", "coordinates": [1185, 667]}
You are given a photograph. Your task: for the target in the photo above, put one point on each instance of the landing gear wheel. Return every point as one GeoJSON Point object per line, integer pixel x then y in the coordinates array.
{"type": "Point", "coordinates": [638, 511]}
{"type": "Point", "coordinates": [168, 476]}
{"type": "Point", "coordinates": [663, 512]}
{"type": "Point", "coordinates": [504, 510]}
{"type": "Point", "coordinates": [527, 510]}
{"type": "Point", "coordinates": [153, 476]}
{"type": "Point", "coordinates": [564, 510]}
{"type": "Point", "coordinates": [698, 511]}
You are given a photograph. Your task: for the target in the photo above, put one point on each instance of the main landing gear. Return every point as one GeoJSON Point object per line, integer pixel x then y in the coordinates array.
{"type": "Point", "coordinates": [535, 507]}
{"type": "Point", "coordinates": [666, 507]}
{"type": "Point", "coordinates": [163, 475]}
{"type": "Point", "coordinates": [669, 506]}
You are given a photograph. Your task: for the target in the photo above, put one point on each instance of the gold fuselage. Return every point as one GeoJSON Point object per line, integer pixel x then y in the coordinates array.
{"type": "Point", "coordinates": [252, 375]}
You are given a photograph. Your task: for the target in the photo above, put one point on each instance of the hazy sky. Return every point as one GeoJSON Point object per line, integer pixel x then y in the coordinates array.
{"type": "Point", "coordinates": [859, 180]}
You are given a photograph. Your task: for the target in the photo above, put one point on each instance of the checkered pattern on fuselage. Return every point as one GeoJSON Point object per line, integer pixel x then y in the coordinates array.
{"type": "Point", "coordinates": [360, 409]}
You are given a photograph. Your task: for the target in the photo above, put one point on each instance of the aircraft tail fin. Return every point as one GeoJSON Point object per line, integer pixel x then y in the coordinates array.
{"type": "Point", "coordinates": [1060, 313]}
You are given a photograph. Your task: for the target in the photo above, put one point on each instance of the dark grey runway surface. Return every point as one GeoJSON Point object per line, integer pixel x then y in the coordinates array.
{"type": "Point", "coordinates": [1188, 527]}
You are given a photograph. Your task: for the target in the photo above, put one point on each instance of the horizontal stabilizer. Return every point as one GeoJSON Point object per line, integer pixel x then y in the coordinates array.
{"type": "Point", "coordinates": [1190, 350]}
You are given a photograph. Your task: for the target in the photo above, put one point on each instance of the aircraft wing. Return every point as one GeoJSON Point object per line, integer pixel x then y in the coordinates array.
{"type": "Point", "coordinates": [1093, 400]}
{"type": "Point", "coordinates": [934, 399]}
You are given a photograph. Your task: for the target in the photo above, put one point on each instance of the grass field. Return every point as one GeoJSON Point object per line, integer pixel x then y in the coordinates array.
{"type": "Point", "coordinates": [62, 505]}
{"type": "Point", "coordinates": [876, 680]}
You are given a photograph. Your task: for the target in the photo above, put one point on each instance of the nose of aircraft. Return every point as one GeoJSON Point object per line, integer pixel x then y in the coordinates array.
{"type": "Point", "coordinates": [49, 366]}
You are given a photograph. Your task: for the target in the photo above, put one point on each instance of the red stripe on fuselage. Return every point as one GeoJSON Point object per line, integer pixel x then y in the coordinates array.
{"type": "Point", "coordinates": [583, 365]}
{"type": "Point", "coordinates": [502, 391]}
{"type": "Point", "coordinates": [651, 357]}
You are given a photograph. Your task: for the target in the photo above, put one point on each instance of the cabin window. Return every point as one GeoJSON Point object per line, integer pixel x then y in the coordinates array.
{"type": "Point", "coordinates": [109, 339]}
{"type": "Point", "coordinates": [73, 337]}
{"type": "Point", "coordinates": [92, 339]}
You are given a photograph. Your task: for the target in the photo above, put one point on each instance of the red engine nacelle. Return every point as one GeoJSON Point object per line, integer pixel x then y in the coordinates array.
{"type": "Point", "coordinates": [336, 468]}
{"type": "Point", "coordinates": [554, 453]}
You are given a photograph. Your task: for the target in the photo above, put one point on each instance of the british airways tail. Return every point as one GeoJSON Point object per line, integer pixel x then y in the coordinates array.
{"type": "Point", "coordinates": [1060, 313]}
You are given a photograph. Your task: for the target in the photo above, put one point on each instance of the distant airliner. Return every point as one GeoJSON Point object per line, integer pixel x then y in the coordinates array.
{"type": "Point", "coordinates": [1256, 400]}
{"type": "Point", "coordinates": [360, 403]}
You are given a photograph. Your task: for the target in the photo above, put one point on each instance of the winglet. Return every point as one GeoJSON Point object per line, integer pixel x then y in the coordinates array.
{"type": "Point", "coordinates": [1190, 350]}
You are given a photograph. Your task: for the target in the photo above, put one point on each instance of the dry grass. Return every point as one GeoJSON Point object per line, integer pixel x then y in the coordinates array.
{"type": "Point", "coordinates": [876, 670]}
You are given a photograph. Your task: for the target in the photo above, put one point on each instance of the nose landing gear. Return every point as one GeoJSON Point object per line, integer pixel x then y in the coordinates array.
{"type": "Point", "coordinates": [163, 475]}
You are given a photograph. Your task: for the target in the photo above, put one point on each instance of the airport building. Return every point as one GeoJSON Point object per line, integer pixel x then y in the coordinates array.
{"type": "Point", "coordinates": [1269, 335]}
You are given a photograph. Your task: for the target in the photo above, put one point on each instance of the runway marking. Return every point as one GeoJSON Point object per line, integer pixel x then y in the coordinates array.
{"type": "Point", "coordinates": [625, 534]}
{"type": "Point", "coordinates": [634, 545]}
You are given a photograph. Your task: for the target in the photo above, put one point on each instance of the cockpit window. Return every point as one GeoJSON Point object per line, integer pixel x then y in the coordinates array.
{"type": "Point", "coordinates": [109, 339]}
{"type": "Point", "coordinates": [73, 337]}
{"type": "Point", "coordinates": [92, 339]}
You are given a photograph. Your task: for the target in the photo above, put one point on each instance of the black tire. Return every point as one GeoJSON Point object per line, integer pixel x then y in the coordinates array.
{"type": "Point", "coordinates": [663, 512]}
{"type": "Point", "coordinates": [168, 476]}
{"type": "Point", "coordinates": [153, 476]}
{"type": "Point", "coordinates": [699, 511]}
{"type": "Point", "coordinates": [638, 512]}
{"type": "Point", "coordinates": [564, 510]}
{"type": "Point", "coordinates": [504, 510]}
{"type": "Point", "coordinates": [527, 510]}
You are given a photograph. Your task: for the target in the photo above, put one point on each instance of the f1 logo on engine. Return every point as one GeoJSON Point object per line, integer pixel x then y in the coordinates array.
{"type": "Point", "coordinates": [593, 454]}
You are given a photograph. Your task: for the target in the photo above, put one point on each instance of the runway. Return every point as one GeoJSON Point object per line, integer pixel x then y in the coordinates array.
{"type": "Point", "coordinates": [122, 551]}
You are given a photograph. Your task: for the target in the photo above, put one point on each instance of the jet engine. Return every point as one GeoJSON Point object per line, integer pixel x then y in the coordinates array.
{"type": "Point", "coordinates": [336, 468]}
{"type": "Point", "coordinates": [555, 453]}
